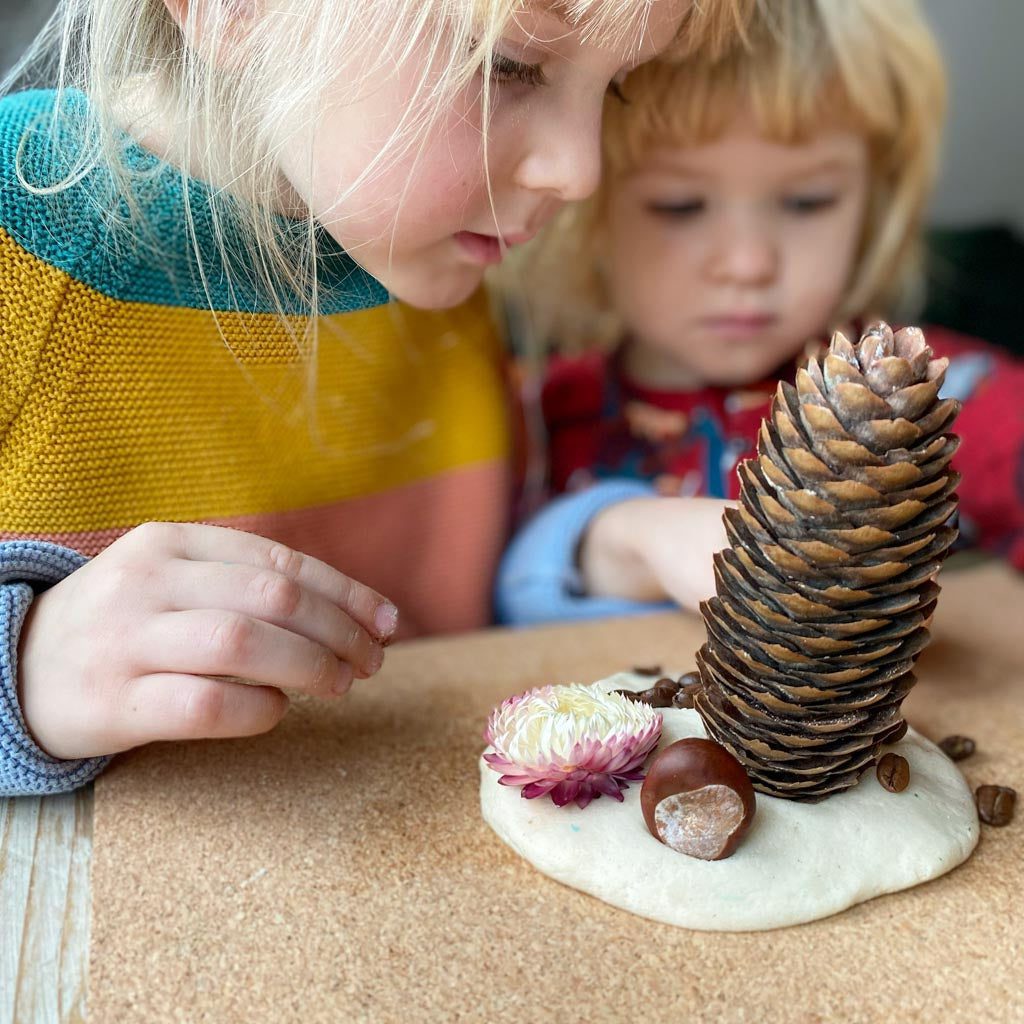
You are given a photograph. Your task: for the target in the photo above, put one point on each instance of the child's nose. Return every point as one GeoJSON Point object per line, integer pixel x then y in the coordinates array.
{"type": "Point", "coordinates": [562, 157]}
{"type": "Point", "coordinates": [744, 254]}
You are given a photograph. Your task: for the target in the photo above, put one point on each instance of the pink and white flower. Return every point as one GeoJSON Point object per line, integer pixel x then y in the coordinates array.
{"type": "Point", "coordinates": [572, 743]}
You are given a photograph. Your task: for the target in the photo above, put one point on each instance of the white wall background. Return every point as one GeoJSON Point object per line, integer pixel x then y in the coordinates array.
{"type": "Point", "coordinates": [983, 40]}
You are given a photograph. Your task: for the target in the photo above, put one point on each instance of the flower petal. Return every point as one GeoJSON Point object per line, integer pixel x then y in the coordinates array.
{"type": "Point", "coordinates": [565, 793]}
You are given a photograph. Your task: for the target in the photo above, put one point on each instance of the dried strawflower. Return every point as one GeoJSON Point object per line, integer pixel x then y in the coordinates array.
{"type": "Point", "coordinates": [571, 742]}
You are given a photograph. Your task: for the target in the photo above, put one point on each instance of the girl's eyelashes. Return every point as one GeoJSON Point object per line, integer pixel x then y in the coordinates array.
{"type": "Point", "coordinates": [683, 210]}
{"type": "Point", "coordinates": [686, 209]}
{"type": "Point", "coordinates": [802, 205]}
{"type": "Point", "coordinates": [505, 69]}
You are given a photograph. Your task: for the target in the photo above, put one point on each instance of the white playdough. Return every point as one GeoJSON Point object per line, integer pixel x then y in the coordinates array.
{"type": "Point", "coordinates": [798, 862]}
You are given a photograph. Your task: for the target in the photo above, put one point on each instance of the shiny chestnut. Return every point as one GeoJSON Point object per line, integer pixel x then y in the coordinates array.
{"type": "Point", "coordinates": [697, 799]}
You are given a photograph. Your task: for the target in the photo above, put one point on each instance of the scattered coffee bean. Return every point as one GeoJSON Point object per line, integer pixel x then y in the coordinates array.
{"type": "Point", "coordinates": [956, 748]}
{"type": "Point", "coordinates": [897, 733]}
{"type": "Point", "coordinates": [995, 804]}
{"type": "Point", "coordinates": [648, 670]}
{"type": "Point", "coordinates": [893, 772]}
{"type": "Point", "coordinates": [685, 694]}
{"type": "Point", "coordinates": [682, 699]}
{"type": "Point", "coordinates": [662, 693]}
{"type": "Point", "coordinates": [689, 679]}
{"type": "Point", "coordinates": [655, 696]}
{"type": "Point", "coordinates": [637, 696]}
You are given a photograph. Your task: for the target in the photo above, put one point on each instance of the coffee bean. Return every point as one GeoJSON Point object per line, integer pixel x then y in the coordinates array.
{"type": "Point", "coordinates": [893, 772]}
{"type": "Point", "coordinates": [956, 748]}
{"type": "Point", "coordinates": [689, 679]}
{"type": "Point", "coordinates": [637, 696]}
{"type": "Point", "coordinates": [685, 694]}
{"type": "Point", "coordinates": [647, 670]}
{"type": "Point", "coordinates": [662, 692]}
{"type": "Point", "coordinates": [995, 804]}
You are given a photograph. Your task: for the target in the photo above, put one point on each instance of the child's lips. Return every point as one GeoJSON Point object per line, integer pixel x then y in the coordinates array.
{"type": "Point", "coordinates": [739, 323]}
{"type": "Point", "coordinates": [489, 249]}
{"type": "Point", "coordinates": [483, 249]}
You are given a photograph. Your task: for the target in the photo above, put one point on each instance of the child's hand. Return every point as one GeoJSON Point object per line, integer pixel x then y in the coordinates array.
{"type": "Point", "coordinates": [653, 549]}
{"type": "Point", "coordinates": [121, 652]}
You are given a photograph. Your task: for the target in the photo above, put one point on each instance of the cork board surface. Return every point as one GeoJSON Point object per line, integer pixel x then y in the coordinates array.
{"type": "Point", "coordinates": [338, 869]}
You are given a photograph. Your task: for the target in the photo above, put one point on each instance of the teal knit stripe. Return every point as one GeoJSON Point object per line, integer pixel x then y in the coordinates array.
{"type": "Point", "coordinates": [80, 230]}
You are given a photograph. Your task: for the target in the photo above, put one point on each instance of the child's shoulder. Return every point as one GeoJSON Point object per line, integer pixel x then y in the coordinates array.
{"type": "Point", "coordinates": [575, 387]}
{"type": "Point", "coordinates": [56, 202]}
{"type": "Point", "coordinates": [35, 151]}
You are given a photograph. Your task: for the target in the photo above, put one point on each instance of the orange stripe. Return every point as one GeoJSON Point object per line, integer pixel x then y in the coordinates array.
{"type": "Point", "coordinates": [431, 546]}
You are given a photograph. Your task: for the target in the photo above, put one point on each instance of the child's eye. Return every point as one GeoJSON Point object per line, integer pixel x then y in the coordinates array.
{"type": "Point", "coordinates": [505, 69]}
{"type": "Point", "coordinates": [677, 211]}
{"type": "Point", "coordinates": [808, 204]}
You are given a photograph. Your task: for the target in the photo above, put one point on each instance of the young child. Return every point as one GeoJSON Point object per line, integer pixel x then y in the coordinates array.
{"type": "Point", "coordinates": [747, 207]}
{"type": "Point", "coordinates": [200, 230]}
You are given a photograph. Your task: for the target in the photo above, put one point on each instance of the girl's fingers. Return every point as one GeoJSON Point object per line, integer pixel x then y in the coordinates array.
{"type": "Point", "coordinates": [220, 643]}
{"type": "Point", "coordinates": [374, 613]}
{"type": "Point", "coordinates": [267, 595]}
{"type": "Point", "coordinates": [169, 706]}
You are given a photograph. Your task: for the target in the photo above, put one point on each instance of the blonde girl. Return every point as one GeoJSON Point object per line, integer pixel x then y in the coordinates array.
{"type": "Point", "coordinates": [748, 205]}
{"type": "Point", "coordinates": [226, 454]}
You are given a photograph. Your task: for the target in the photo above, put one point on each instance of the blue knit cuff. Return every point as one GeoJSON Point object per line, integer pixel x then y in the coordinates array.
{"type": "Point", "coordinates": [25, 568]}
{"type": "Point", "coordinates": [539, 580]}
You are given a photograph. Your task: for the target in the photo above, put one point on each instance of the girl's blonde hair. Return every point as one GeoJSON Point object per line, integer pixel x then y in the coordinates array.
{"type": "Point", "coordinates": [230, 115]}
{"type": "Point", "coordinates": [871, 66]}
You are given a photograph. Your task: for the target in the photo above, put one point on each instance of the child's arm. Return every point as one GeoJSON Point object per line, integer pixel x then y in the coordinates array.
{"type": "Point", "coordinates": [612, 549]}
{"type": "Point", "coordinates": [654, 549]}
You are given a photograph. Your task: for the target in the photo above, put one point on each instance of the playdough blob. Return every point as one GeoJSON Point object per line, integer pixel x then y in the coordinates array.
{"type": "Point", "coordinates": [799, 861]}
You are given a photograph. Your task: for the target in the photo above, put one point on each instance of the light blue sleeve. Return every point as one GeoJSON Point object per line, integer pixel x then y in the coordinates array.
{"type": "Point", "coordinates": [539, 580]}
{"type": "Point", "coordinates": [25, 568]}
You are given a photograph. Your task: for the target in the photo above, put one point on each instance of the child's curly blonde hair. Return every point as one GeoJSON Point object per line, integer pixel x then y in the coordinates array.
{"type": "Point", "coordinates": [871, 66]}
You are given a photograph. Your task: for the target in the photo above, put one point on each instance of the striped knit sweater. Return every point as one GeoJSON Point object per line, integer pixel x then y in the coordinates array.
{"type": "Point", "coordinates": [124, 399]}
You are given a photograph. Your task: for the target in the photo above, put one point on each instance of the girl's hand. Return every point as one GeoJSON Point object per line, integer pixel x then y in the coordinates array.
{"type": "Point", "coordinates": [654, 549]}
{"type": "Point", "coordinates": [128, 648]}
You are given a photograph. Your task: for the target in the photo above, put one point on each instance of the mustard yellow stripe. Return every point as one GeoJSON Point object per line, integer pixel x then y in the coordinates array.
{"type": "Point", "coordinates": [123, 412]}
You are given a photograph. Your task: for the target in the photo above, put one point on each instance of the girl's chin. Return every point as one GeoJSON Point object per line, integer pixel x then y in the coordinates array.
{"type": "Point", "coordinates": [442, 290]}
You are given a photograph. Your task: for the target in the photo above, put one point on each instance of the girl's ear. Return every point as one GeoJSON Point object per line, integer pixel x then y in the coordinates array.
{"type": "Point", "coordinates": [216, 37]}
{"type": "Point", "coordinates": [178, 10]}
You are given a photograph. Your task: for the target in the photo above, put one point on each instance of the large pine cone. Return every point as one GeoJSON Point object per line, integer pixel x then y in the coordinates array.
{"type": "Point", "coordinates": [827, 590]}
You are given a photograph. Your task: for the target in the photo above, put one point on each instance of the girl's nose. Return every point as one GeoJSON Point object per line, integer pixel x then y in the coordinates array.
{"type": "Point", "coordinates": [561, 156]}
{"type": "Point", "coordinates": [744, 253]}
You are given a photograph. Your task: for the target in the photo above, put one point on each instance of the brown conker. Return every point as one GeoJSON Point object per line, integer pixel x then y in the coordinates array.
{"type": "Point", "coordinates": [697, 799]}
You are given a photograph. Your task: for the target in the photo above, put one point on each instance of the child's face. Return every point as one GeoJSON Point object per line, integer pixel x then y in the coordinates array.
{"type": "Point", "coordinates": [724, 259]}
{"type": "Point", "coordinates": [425, 224]}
